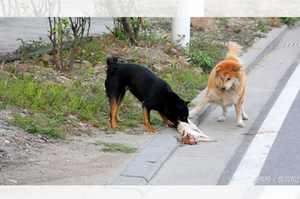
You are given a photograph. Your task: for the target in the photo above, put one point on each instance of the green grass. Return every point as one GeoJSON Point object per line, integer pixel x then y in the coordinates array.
{"type": "Point", "coordinates": [50, 103]}
{"type": "Point", "coordinates": [115, 147]}
{"type": "Point", "coordinates": [37, 126]}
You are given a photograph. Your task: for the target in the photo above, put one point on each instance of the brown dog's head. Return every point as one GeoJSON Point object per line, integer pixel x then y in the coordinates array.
{"type": "Point", "coordinates": [228, 74]}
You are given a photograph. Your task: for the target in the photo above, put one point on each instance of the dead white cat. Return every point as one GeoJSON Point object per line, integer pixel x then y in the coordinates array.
{"type": "Point", "coordinates": [191, 134]}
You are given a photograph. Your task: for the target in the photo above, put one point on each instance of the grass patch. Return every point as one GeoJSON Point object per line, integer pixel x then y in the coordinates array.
{"type": "Point", "coordinates": [50, 103]}
{"type": "Point", "coordinates": [115, 147]}
{"type": "Point", "coordinates": [136, 132]}
{"type": "Point", "coordinates": [38, 127]}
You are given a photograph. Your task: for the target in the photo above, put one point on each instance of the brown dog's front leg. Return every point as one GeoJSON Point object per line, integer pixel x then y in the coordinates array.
{"type": "Point", "coordinates": [170, 124]}
{"type": "Point", "coordinates": [239, 121]}
{"type": "Point", "coordinates": [146, 119]}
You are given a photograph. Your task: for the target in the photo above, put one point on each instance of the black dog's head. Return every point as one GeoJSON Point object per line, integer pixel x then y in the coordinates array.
{"type": "Point", "coordinates": [176, 109]}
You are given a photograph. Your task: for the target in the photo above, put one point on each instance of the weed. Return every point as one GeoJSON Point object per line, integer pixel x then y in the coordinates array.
{"type": "Point", "coordinates": [115, 147]}
{"type": "Point", "coordinates": [261, 26]}
{"type": "Point", "coordinates": [155, 39]}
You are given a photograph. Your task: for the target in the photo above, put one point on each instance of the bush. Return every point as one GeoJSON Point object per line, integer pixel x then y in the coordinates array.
{"type": "Point", "coordinates": [290, 20]}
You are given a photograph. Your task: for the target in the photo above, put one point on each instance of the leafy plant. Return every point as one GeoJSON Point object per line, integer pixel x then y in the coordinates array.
{"type": "Point", "coordinates": [204, 59]}
{"type": "Point", "coordinates": [31, 46]}
{"type": "Point", "coordinates": [60, 29]}
{"type": "Point", "coordinates": [290, 20]}
{"type": "Point", "coordinates": [129, 28]}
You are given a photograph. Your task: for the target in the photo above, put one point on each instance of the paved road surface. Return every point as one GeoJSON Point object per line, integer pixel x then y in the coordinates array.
{"type": "Point", "coordinates": [32, 28]}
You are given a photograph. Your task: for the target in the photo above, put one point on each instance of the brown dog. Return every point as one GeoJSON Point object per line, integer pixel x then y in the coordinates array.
{"type": "Point", "coordinates": [227, 86]}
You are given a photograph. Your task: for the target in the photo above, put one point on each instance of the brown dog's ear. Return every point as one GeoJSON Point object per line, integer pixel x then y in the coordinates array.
{"type": "Point", "coordinates": [218, 68]}
{"type": "Point", "coordinates": [237, 68]}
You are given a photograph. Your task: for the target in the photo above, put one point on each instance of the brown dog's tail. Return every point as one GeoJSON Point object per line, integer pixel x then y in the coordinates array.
{"type": "Point", "coordinates": [111, 63]}
{"type": "Point", "coordinates": [234, 50]}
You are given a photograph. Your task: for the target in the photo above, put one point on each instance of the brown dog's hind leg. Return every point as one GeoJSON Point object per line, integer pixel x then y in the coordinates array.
{"type": "Point", "coordinates": [170, 124]}
{"type": "Point", "coordinates": [113, 113]}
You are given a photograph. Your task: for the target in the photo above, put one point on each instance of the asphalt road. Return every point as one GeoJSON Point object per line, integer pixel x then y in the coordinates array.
{"type": "Point", "coordinates": [282, 164]}
{"type": "Point", "coordinates": [272, 156]}
{"type": "Point", "coordinates": [31, 28]}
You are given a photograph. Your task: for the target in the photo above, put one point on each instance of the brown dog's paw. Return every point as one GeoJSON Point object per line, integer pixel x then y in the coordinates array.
{"type": "Point", "coordinates": [241, 124]}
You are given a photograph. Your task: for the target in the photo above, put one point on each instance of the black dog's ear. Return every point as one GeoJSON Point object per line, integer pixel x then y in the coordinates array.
{"type": "Point", "coordinates": [111, 60]}
{"type": "Point", "coordinates": [187, 102]}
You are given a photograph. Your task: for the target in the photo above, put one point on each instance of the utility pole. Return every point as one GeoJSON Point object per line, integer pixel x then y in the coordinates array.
{"type": "Point", "coordinates": [181, 30]}
{"type": "Point", "coordinates": [182, 21]}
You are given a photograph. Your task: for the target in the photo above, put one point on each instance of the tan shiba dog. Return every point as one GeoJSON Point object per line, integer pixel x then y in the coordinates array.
{"type": "Point", "coordinates": [227, 86]}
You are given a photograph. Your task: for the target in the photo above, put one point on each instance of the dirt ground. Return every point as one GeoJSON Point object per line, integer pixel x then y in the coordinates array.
{"type": "Point", "coordinates": [28, 159]}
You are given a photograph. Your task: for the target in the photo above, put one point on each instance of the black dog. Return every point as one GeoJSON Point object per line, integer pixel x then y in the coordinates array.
{"type": "Point", "coordinates": [153, 92]}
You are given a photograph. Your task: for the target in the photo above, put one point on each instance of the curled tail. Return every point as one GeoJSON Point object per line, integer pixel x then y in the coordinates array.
{"type": "Point", "coordinates": [234, 50]}
{"type": "Point", "coordinates": [111, 63]}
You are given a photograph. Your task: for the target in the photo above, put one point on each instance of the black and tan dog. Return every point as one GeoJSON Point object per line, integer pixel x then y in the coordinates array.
{"type": "Point", "coordinates": [153, 92]}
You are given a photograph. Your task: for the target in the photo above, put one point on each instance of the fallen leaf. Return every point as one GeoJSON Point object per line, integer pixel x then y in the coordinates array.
{"type": "Point", "coordinates": [12, 181]}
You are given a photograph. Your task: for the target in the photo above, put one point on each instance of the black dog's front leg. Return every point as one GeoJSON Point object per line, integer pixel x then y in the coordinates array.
{"type": "Point", "coordinates": [146, 115]}
{"type": "Point", "coordinates": [170, 124]}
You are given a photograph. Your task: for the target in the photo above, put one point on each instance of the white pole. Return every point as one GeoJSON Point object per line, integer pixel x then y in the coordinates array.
{"type": "Point", "coordinates": [181, 30]}
{"type": "Point", "coordinates": [181, 22]}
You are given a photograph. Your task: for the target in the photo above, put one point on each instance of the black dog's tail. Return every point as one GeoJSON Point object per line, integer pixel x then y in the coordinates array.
{"type": "Point", "coordinates": [111, 63]}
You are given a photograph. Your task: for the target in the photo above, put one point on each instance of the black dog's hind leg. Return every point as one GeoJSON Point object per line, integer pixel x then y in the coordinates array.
{"type": "Point", "coordinates": [146, 115]}
{"type": "Point", "coordinates": [115, 103]}
{"type": "Point", "coordinates": [113, 112]}
{"type": "Point", "coordinates": [121, 97]}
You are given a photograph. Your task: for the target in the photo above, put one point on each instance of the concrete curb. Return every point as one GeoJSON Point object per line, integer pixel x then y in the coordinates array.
{"type": "Point", "coordinates": [145, 165]}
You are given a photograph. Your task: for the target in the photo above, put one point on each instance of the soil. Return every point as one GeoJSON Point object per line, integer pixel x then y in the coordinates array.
{"type": "Point", "coordinates": [29, 159]}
